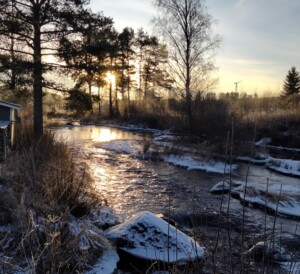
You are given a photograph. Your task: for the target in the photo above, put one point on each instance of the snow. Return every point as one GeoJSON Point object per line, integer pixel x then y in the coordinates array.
{"type": "Point", "coordinates": [103, 217]}
{"type": "Point", "coordinates": [164, 139]}
{"type": "Point", "coordinates": [221, 187]}
{"type": "Point", "coordinates": [289, 167]}
{"type": "Point", "coordinates": [142, 128]}
{"type": "Point", "coordinates": [259, 159]}
{"type": "Point", "coordinates": [87, 235]}
{"type": "Point", "coordinates": [106, 264]}
{"type": "Point", "coordinates": [148, 237]}
{"type": "Point", "coordinates": [284, 166]}
{"type": "Point", "coordinates": [270, 250]}
{"type": "Point", "coordinates": [131, 147]}
{"type": "Point", "coordinates": [134, 148]}
{"type": "Point", "coordinates": [278, 199]}
{"type": "Point", "coordinates": [264, 141]}
{"type": "Point", "coordinates": [192, 164]}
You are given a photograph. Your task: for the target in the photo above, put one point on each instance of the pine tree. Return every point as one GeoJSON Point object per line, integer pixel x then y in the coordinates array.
{"type": "Point", "coordinates": [291, 84]}
{"type": "Point", "coordinates": [37, 25]}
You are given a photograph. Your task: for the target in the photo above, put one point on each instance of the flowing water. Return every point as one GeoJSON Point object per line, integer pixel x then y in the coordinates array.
{"type": "Point", "coordinates": [132, 184]}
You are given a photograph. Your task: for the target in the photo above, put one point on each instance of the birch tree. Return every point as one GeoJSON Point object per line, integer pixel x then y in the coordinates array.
{"type": "Point", "coordinates": [186, 26]}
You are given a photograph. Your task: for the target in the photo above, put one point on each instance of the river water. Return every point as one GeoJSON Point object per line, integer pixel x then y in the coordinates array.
{"type": "Point", "coordinates": [132, 184]}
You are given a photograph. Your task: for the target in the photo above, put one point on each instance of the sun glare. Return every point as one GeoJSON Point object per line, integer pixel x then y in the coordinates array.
{"type": "Point", "coordinates": [110, 78]}
{"type": "Point", "coordinates": [106, 135]}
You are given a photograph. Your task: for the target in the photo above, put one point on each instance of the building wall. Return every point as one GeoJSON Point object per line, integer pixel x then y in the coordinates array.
{"type": "Point", "coordinates": [2, 145]}
{"type": "Point", "coordinates": [4, 113]}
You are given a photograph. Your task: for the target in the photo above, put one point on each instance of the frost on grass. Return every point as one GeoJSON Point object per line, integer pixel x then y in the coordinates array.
{"type": "Point", "coordinates": [149, 237]}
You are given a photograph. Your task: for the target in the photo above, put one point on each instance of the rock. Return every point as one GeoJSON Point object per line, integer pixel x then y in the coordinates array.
{"type": "Point", "coordinates": [148, 237]}
{"type": "Point", "coordinates": [220, 188]}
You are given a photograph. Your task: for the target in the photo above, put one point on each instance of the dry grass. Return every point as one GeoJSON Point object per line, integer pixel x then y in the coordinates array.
{"type": "Point", "coordinates": [41, 191]}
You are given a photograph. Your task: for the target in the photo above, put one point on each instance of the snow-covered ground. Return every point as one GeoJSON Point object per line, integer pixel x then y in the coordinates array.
{"type": "Point", "coordinates": [280, 199]}
{"type": "Point", "coordinates": [284, 166]}
{"type": "Point", "coordinates": [192, 164]}
{"type": "Point", "coordinates": [107, 264]}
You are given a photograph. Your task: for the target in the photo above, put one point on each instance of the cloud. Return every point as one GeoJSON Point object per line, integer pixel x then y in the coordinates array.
{"type": "Point", "coordinates": [260, 37]}
{"type": "Point", "coordinates": [132, 13]}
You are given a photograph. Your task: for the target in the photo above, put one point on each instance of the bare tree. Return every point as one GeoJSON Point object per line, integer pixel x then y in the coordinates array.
{"type": "Point", "coordinates": [186, 28]}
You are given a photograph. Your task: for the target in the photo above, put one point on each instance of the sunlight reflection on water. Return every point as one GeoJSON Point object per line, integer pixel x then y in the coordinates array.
{"type": "Point", "coordinates": [95, 134]}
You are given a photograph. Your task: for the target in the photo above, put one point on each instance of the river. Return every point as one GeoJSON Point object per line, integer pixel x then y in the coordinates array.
{"type": "Point", "coordinates": [133, 184]}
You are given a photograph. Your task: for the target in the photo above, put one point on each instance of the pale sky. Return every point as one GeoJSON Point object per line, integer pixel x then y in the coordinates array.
{"type": "Point", "coordinates": [260, 38]}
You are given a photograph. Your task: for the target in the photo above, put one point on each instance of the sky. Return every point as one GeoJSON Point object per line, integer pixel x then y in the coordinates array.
{"type": "Point", "coordinates": [260, 38]}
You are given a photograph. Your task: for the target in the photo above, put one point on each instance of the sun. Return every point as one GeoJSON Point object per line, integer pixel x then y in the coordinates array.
{"type": "Point", "coordinates": [110, 78]}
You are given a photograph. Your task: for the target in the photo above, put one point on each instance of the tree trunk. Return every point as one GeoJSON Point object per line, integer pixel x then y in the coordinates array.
{"type": "Point", "coordinates": [99, 103]}
{"type": "Point", "coordinates": [128, 85]}
{"type": "Point", "coordinates": [37, 77]}
{"type": "Point", "coordinates": [188, 95]}
{"type": "Point", "coordinates": [110, 101]}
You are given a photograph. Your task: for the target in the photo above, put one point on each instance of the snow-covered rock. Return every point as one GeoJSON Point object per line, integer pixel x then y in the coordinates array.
{"type": "Point", "coordinates": [221, 187]}
{"type": "Point", "coordinates": [148, 237]}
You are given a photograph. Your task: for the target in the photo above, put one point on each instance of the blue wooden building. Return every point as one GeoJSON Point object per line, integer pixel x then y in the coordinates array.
{"type": "Point", "coordinates": [8, 117]}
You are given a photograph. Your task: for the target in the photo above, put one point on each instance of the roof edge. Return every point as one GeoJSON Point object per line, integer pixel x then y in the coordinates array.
{"type": "Point", "coordinates": [10, 105]}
